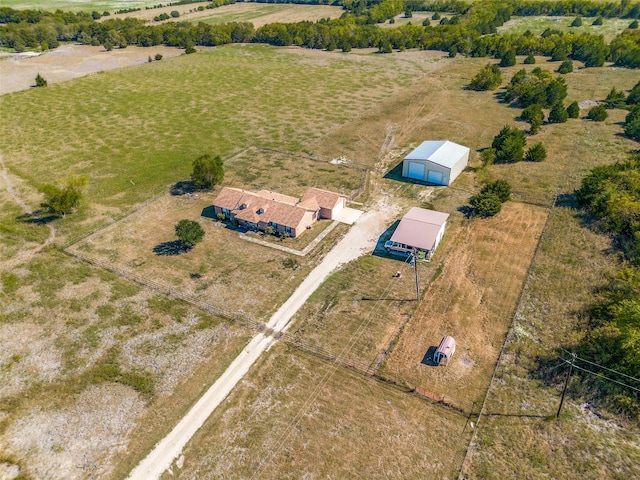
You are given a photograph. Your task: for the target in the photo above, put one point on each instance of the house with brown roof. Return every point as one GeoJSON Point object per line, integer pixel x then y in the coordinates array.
{"type": "Point", "coordinates": [285, 214]}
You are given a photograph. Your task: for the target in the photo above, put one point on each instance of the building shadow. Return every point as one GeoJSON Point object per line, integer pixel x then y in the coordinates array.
{"type": "Point", "coordinates": [396, 174]}
{"type": "Point", "coordinates": [428, 357]}
{"type": "Point", "coordinates": [209, 212]}
{"type": "Point", "coordinates": [379, 250]}
{"type": "Point", "coordinates": [175, 247]}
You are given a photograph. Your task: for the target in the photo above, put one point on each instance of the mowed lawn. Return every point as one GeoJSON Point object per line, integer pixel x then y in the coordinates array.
{"type": "Point", "coordinates": [134, 132]}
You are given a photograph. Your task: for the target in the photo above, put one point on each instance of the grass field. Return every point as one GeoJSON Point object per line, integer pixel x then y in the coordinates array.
{"type": "Point", "coordinates": [110, 5]}
{"type": "Point", "coordinates": [538, 24]}
{"type": "Point", "coordinates": [76, 337]}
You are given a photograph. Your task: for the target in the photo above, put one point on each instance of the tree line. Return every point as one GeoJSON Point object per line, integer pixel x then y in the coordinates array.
{"type": "Point", "coordinates": [471, 32]}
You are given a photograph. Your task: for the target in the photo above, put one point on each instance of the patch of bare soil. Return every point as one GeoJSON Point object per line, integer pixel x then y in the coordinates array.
{"type": "Point", "coordinates": [473, 300]}
{"type": "Point", "coordinates": [66, 62]}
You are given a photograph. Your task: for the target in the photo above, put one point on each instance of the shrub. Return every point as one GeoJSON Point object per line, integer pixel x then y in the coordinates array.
{"type": "Point", "coordinates": [615, 99]}
{"type": "Point", "coordinates": [500, 188]}
{"type": "Point", "coordinates": [189, 232]}
{"type": "Point", "coordinates": [634, 95]}
{"type": "Point", "coordinates": [597, 21]}
{"type": "Point", "coordinates": [436, 16]}
{"type": "Point", "coordinates": [558, 114]}
{"type": "Point", "coordinates": [158, 56]}
{"type": "Point", "coordinates": [40, 81]}
{"type": "Point", "coordinates": [175, 14]}
{"type": "Point", "coordinates": [534, 115]}
{"type": "Point", "coordinates": [537, 153]}
{"type": "Point", "coordinates": [488, 78]}
{"type": "Point", "coordinates": [566, 67]}
{"type": "Point", "coordinates": [508, 59]}
{"type": "Point", "coordinates": [189, 49]}
{"type": "Point", "coordinates": [538, 86]}
{"type": "Point", "coordinates": [577, 22]}
{"type": "Point", "coordinates": [485, 205]}
{"type": "Point", "coordinates": [573, 110]}
{"type": "Point", "coordinates": [509, 145]}
{"type": "Point", "coordinates": [487, 156]}
{"type": "Point", "coordinates": [598, 113]}
{"type": "Point", "coordinates": [426, 22]}
{"type": "Point", "coordinates": [632, 124]}
{"type": "Point", "coordinates": [530, 60]}
{"type": "Point", "coordinates": [633, 25]}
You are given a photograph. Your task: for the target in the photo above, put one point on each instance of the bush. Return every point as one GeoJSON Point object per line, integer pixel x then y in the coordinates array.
{"type": "Point", "coordinates": [509, 145]}
{"type": "Point", "coordinates": [558, 114]}
{"type": "Point", "coordinates": [577, 22]}
{"type": "Point", "coordinates": [500, 188]}
{"type": "Point", "coordinates": [508, 59]}
{"type": "Point", "coordinates": [485, 205]}
{"type": "Point", "coordinates": [175, 14]}
{"type": "Point", "coordinates": [538, 86]}
{"type": "Point", "coordinates": [158, 56]}
{"type": "Point", "coordinates": [488, 78]}
{"type": "Point", "coordinates": [634, 95]}
{"type": "Point", "coordinates": [598, 113]}
{"type": "Point", "coordinates": [615, 99]}
{"type": "Point", "coordinates": [487, 156]}
{"type": "Point", "coordinates": [40, 81]}
{"type": "Point", "coordinates": [597, 21]}
{"type": "Point", "coordinates": [573, 110]}
{"type": "Point", "coordinates": [189, 232]}
{"type": "Point", "coordinates": [633, 25]}
{"type": "Point", "coordinates": [632, 124]}
{"type": "Point", "coordinates": [436, 16]}
{"type": "Point", "coordinates": [189, 49]}
{"type": "Point", "coordinates": [534, 115]}
{"type": "Point", "coordinates": [60, 201]}
{"type": "Point", "coordinates": [537, 153]}
{"type": "Point", "coordinates": [530, 60]}
{"type": "Point", "coordinates": [426, 22]}
{"type": "Point", "coordinates": [566, 67]}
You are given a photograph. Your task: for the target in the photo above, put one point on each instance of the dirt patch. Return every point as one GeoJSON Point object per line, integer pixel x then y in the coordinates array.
{"type": "Point", "coordinates": [66, 62]}
{"type": "Point", "coordinates": [473, 300]}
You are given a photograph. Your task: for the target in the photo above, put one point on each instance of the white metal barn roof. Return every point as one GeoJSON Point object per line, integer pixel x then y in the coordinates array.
{"type": "Point", "coordinates": [419, 228]}
{"type": "Point", "coordinates": [440, 152]}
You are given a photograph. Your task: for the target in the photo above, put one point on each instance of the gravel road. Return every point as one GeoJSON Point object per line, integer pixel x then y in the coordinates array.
{"type": "Point", "coordinates": [360, 239]}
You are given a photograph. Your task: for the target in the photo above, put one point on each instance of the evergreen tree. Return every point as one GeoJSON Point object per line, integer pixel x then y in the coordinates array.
{"type": "Point", "coordinates": [558, 114]}
{"type": "Point", "coordinates": [534, 115]}
{"type": "Point", "coordinates": [488, 78]}
{"type": "Point", "coordinates": [598, 113]}
{"type": "Point", "coordinates": [573, 110]}
{"type": "Point", "coordinates": [509, 145]}
{"type": "Point", "coordinates": [530, 60]}
{"type": "Point", "coordinates": [577, 22]}
{"type": "Point", "coordinates": [536, 153]}
{"type": "Point", "coordinates": [566, 67]}
{"type": "Point", "coordinates": [508, 59]}
{"type": "Point", "coordinates": [40, 81]}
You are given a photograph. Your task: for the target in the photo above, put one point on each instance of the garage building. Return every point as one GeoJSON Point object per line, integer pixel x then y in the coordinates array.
{"type": "Point", "coordinates": [437, 162]}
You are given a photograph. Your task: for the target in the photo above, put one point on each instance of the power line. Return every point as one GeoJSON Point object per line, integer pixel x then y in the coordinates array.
{"type": "Point", "coordinates": [316, 391]}
{"type": "Point", "coordinates": [607, 378]}
{"type": "Point", "coordinates": [602, 366]}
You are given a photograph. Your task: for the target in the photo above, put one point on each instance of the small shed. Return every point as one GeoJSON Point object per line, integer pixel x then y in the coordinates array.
{"type": "Point", "coordinates": [436, 161]}
{"type": "Point", "coordinates": [419, 231]}
{"type": "Point", "coordinates": [445, 350]}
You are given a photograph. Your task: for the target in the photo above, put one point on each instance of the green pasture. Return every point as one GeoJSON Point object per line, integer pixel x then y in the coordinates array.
{"type": "Point", "coordinates": [135, 131]}
{"type": "Point", "coordinates": [110, 5]}
{"type": "Point", "coordinates": [258, 10]}
{"type": "Point", "coordinates": [538, 24]}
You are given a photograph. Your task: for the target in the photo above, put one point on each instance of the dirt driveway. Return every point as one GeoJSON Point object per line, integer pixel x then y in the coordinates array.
{"type": "Point", "coordinates": [18, 70]}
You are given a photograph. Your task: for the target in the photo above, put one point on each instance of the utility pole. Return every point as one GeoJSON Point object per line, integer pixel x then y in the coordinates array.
{"type": "Point", "coordinates": [566, 382]}
{"type": "Point", "coordinates": [414, 261]}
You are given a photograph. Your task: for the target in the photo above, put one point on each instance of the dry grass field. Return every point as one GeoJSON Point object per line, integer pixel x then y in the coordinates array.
{"type": "Point", "coordinates": [75, 337]}
{"type": "Point", "coordinates": [473, 300]}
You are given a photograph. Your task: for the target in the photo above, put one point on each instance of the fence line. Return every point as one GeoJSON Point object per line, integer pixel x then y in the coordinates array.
{"type": "Point", "coordinates": [234, 315]}
{"type": "Point", "coordinates": [470, 448]}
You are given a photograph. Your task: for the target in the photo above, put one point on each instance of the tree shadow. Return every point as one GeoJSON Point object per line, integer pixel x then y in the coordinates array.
{"type": "Point", "coordinates": [567, 200]}
{"type": "Point", "coordinates": [182, 188]}
{"type": "Point", "coordinates": [37, 218]}
{"type": "Point", "coordinates": [175, 247]}
{"type": "Point", "coordinates": [466, 210]}
{"type": "Point", "coordinates": [428, 357]}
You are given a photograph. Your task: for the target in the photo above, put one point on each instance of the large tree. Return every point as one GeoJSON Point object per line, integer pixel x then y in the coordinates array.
{"type": "Point", "coordinates": [189, 232]}
{"type": "Point", "coordinates": [207, 172]}
{"type": "Point", "coordinates": [63, 200]}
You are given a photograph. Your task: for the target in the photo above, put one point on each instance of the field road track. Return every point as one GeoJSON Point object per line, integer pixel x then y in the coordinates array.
{"type": "Point", "coordinates": [361, 238]}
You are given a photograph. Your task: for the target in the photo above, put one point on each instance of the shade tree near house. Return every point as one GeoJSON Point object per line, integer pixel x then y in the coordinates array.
{"type": "Point", "coordinates": [208, 171]}
{"type": "Point", "coordinates": [189, 232]}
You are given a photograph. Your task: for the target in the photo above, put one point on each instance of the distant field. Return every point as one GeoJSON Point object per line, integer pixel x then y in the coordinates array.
{"type": "Point", "coordinates": [257, 13]}
{"type": "Point", "coordinates": [609, 29]}
{"type": "Point", "coordinates": [99, 5]}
